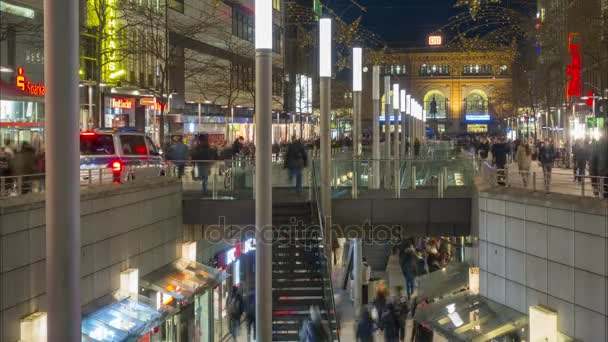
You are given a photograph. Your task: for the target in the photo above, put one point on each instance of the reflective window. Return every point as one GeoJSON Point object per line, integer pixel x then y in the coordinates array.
{"type": "Point", "coordinates": [133, 145]}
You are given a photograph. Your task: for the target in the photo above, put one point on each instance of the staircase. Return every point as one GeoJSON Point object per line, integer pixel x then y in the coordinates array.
{"type": "Point", "coordinates": [298, 281]}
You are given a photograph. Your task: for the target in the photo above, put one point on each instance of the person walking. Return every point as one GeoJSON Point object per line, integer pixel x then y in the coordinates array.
{"type": "Point", "coordinates": [389, 323]}
{"type": "Point", "coordinates": [416, 147]}
{"type": "Point", "coordinates": [203, 154]}
{"type": "Point", "coordinates": [365, 327]}
{"type": "Point", "coordinates": [250, 315]}
{"type": "Point", "coordinates": [403, 310]}
{"type": "Point", "coordinates": [235, 306]}
{"type": "Point", "coordinates": [178, 153]}
{"type": "Point", "coordinates": [581, 155]}
{"type": "Point", "coordinates": [546, 157]}
{"type": "Point", "coordinates": [499, 154]}
{"type": "Point", "coordinates": [408, 263]}
{"type": "Point", "coordinates": [295, 160]}
{"type": "Point", "coordinates": [523, 157]}
{"type": "Point", "coordinates": [312, 328]}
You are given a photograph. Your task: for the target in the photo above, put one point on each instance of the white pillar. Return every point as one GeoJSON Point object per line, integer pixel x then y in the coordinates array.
{"type": "Point", "coordinates": [387, 133]}
{"type": "Point", "coordinates": [263, 195]}
{"type": "Point", "coordinates": [85, 124]}
{"type": "Point", "coordinates": [325, 102]}
{"type": "Point", "coordinates": [376, 126]}
{"type": "Point", "coordinates": [356, 123]}
{"type": "Point", "coordinates": [200, 116]}
{"type": "Point", "coordinates": [62, 170]}
{"type": "Point", "coordinates": [358, 275]}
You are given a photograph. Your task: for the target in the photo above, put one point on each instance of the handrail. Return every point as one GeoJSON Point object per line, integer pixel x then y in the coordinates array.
{"type": "Point", "coordinates": [325, 265]}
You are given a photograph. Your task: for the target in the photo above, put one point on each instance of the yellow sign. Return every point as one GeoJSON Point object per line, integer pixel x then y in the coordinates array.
{"type": "Point", "coordinates": [477, 128]}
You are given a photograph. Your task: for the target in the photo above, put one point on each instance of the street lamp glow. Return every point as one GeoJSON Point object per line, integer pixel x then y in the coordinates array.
{"type": "Point", "coordinates": [396, 96]}
{"type": "Point", "coordinates": [325, 47]}
{"type": "Point", "coordinates": [376, 82]}
{"type": "Point", "coordinates": [403, 101]}
{"type": "Point", "coordinates": [408, 104]}
{"type": "Point", "coordinates": [357, 65]}
{"type": "Point", "coordinates": [263, 24]}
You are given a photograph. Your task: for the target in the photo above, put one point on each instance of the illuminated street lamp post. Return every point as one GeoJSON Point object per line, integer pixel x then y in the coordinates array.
{"type": "Point", "coordinates": [357, 87]}
{"type": "Point", "coordinates": [387, 130]}
{"type": "Point", "coordinates": [61, 54]}
{"type": "Point", "coordinates": [325, 71]}
{"type": "Point", "coordinates": [396, 155]}
{"type": "Point", "coordinates": [263, 169]}
{"type": "Point", "coordinates": [410, 121]}
{"type": "Point", "coordinates": [376, 125]}
{"type": "Point", "coordinates": [402, 107]}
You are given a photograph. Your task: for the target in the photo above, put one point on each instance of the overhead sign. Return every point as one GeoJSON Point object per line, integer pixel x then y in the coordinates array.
{"type": "Point", "coordinates": [477, 117]}
{"type": "Point", "coordinates": [435, 40]}
{"type": "Point", "coordinates": [28, 87]}
{"type": "Point", "coordinates": [241, 248]}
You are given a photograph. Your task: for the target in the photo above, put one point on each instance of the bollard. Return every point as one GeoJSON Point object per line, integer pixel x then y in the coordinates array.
{"type": "Point", "coordinates": [533, 181]}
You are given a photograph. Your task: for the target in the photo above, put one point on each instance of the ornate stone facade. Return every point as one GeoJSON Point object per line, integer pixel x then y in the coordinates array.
{"type": "Point", "coordinates": [461, 83]}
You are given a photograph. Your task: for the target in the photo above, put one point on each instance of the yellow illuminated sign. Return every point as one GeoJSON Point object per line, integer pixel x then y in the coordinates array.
{"type": "Point", "coordinates": [477, 128]}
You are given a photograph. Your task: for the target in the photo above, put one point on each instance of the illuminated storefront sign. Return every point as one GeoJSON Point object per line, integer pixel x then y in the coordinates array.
{"type": "Point", "coordinates": [241, 248]}
{"type": "Point", "coordinates": [113, 66]}
{"type": "Point", "coordinates": [573, 72]}
{"type": "Point", "coordinates": [28, 87]}
{"type": "Point", "coordinates": [435, 40]}
{"type": "Point", "coordinates": [477, 128]}
{"type": "Point", "coordinates": [122, 103]}
{"type": "Point", "coordinates": [477, 117]}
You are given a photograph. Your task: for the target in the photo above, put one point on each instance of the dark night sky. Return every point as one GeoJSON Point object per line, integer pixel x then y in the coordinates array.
{"type": "Point", "coordinates": [405, 22]}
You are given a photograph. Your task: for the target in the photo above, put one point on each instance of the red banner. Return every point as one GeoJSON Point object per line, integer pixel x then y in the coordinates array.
{"type": "Point", "coordinates": [575, 85]}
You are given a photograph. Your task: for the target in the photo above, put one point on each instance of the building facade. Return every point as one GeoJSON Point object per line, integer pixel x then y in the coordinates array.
{"type": "Point", "coordinates": [214, 76]}
{"type": "Point", "coordinates": [461, 91]}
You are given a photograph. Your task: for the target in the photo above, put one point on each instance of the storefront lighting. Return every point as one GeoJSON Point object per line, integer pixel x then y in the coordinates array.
{"type": "Point", "coordinates": [263, 24]}
{"type": "Point", "coordinates": [103, 84]}
{"type": "Point", "coordinates": [325, 47]}
{"type": "Point", "coordinates": [19, 11]}
{"type": "Point", "coordinates": [543, 324]}
{"type": "Point", "coordinates": [129, 282]}
{"type": "Point", "coordinates": [189, 251]}
{"type": "Point", "coordinates": [5, 69]}
{"type": "Point", "coordinates": [357, 65]}
{"type": "Point", "coordinates": [396, 96]}
{"type": "Point", "coordinates": [402, 103]}
{"type": "Point", "coordinates": [33, 327]}
{"type": "Point", "coordinates": [118, 73]}
{"type": "Point", "coordinates": [408, 104]}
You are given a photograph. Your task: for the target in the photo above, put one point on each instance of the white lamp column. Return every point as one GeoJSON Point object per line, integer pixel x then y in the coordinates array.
{"type": "Point", "coordinates": [263, 169]}
{"type": "Point", "coordinates": [357, 87]}
{"type": "Point", "coordinates": [376, 126]}
{"type": "Point", "coordinates": [325, 71]}
{"type": "Point", "coordinates": [396, 143]}
{"type": "Point", "coordinates": [387, 130]}
{"type": "Point", "coordinates": [402, 107]}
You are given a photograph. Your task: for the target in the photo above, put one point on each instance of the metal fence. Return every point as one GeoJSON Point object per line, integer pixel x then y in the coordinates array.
{"type": "Point", "coordinates": [547, 182]}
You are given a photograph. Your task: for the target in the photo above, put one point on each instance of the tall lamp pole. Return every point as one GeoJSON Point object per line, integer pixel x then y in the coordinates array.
{"type": "Point", "coordinates": [263, 169]}
{"type": "Point", "coordinates": [325, 71]}
{"type": "Point", "coordinates": [396, 168]}
{"type": "Point", "coordinates": [410, 121]}
{"type": "Point", "coordinates": [62, 170]}
{"type": "Point", "coordinates": [402, 108]}
{"type": "Point", "coordinates": [357, 87]}
{"type": "Point", "coordinates": [376, 125]}
{"type": "Point", "coordinates": [387, 128]}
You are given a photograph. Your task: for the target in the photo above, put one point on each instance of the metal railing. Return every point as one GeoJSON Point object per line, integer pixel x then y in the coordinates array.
{"type": "Point", "coordinates": [539, 181]}
{"type": "Point", "coordinates": [326, 281]}
{"type": "Point", "coordinates": [11, 186]}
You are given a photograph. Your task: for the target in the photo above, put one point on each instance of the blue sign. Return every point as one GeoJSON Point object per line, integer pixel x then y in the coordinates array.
{"type": "Point", "coordinates": [477, 117]}
{"type": "Point", "coordinates": [392, 118]}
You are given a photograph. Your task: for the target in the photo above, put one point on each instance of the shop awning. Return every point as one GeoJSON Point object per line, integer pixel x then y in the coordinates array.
{"type": "Point", "coordinates": [182, 280]}
{"type": "Point", "coordinates": [466, 317]}
{"type": "Point", "coordinates": [451, 279]}
{"type": "Point", "coordinates": [120, 321]}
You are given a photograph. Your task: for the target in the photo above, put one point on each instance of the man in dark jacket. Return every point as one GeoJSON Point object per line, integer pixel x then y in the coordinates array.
{"type": "Point", "coordinates": [581, 155]}
{"type": "Point", "coordinates": [295, 160]}
{"type": "Point", "coordinates": [178, 153]}
{"type": "Point", "coordinates": [546, 157]}
{"type": "Point", "coordinates": [390, 324]}
{"type": "Point", "coordinates": [203, 155]}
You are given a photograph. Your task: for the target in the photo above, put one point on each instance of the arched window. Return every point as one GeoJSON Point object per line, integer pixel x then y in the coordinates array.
{"type": "Point", "coordinates": [476, 103]}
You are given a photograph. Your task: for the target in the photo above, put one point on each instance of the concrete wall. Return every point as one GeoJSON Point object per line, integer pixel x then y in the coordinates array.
{"type": "Point", "coordinates": [133, 225]}
{"type": "Point", "coordinates": [550, 250]}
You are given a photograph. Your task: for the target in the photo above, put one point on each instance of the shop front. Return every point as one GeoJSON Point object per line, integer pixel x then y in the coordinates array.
{"type": "Point", "coordinates": [22, 109]}
{"type": "Point", "coordinates": [477, 123]}
{"type": "Point", "coordinates": [187, 291]}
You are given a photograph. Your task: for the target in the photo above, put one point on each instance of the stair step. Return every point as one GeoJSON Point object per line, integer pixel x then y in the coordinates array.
{"type": "Point", "coordinates": [298, 292]}
{"type": "Point", "coordinates": [291, 283]}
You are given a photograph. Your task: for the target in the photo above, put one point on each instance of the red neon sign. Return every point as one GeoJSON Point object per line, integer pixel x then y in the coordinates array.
{"type": "Point", "coordinates": [122, 103]}
{"type": "Point", "coordinates": [575, 86]}
{"type": "Point", "coordinates": [435, 40]}
{"type": "Point", "coordinates": [28, 87]}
